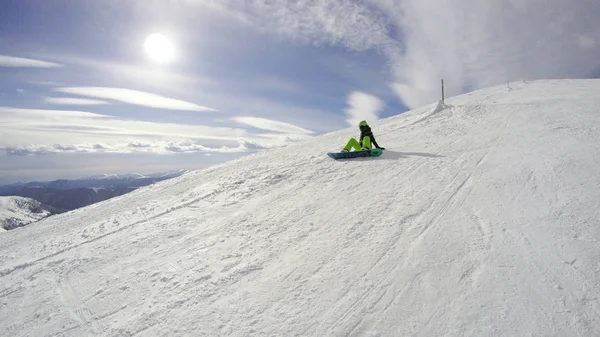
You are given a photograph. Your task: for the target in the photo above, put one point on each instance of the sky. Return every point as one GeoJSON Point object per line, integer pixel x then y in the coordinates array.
{"type": "Point", "coordinates": [82, 93]}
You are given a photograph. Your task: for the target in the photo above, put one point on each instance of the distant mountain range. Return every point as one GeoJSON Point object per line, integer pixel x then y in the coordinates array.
{"type": "Point", "coordinates": [106, 181]}
{"type": "Point", "coordinates": [72, 194]}
{"type": "Point", "coordinates": [18, 211]}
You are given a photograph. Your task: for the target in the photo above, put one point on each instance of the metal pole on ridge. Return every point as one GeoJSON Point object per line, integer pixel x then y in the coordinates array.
{"type": "Point", "coordinates": [442, 91]}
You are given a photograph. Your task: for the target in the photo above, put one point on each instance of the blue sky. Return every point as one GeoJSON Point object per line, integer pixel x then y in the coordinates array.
{"type": "Point", "coordinates": [79, 95]}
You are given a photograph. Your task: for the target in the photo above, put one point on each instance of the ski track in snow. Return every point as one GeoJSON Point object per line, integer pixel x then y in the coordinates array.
{"type": "Point", "coordinates": [480, 219]}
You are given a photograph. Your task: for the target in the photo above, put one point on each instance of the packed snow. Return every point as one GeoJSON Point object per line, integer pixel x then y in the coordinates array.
{"type": "Point", "coordinates": [18, 211]}
{"type": "Point", "coordinates": [480, 219]}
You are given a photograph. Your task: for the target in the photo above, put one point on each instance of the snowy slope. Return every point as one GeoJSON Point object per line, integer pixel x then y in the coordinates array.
{"type": "Point", "coordinates": [17, 212]}
{"type": "Point", "coordinates": [482, 219]}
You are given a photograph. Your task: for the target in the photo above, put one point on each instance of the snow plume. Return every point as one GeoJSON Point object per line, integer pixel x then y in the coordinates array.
{"type": "Point", "coordinates": [362, 106]}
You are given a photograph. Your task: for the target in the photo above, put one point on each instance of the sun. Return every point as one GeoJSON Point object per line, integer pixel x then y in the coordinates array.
{"type": "Point", "coordinates": [159, 48]}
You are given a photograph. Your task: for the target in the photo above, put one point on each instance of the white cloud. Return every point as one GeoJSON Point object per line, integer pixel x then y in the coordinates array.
{"type": "Point", "coordinates": [61, 123]}
{"type": "Point", "coordinates": [17, 115]}
{"type": "Point", "coordinates": [271, 125]}
{"type": "Point", "coordinates": [243, 145]}
{"type": "Point", "coordinates": [19, 62]}
{"type": "Point", "coordinates": [134, 97]}
{"type": "Point", "coordinates": [155, 147]}
{"type": "Point", "coordinates": [469, 43]}
{"type": "Point", "coordinates": [362, 106]}
{"type": "Point", "coordinates": [73, 101]}
{"type": "Point", "coordinates": [152, 147]}
{"type": "Point", "coordinates": [38, 132]}
{"type": "Point", "coordinates": [474, 44]}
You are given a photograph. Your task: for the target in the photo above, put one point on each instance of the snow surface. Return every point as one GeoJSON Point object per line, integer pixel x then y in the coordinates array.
{"type": "Point", "coordinates": [481, 219]}
{"type": "Point", "coordinates": [19, 211]}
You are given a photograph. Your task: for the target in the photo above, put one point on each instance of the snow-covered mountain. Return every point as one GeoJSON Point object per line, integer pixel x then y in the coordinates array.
{"type": "Point", "coordinates": [481, 219]}
{"type": "Point", "coordinates": [118, 176]}
{"type": "Point", "coordinates": [136, 176]}
{"type": "Point", "coordinates": [18, 212]}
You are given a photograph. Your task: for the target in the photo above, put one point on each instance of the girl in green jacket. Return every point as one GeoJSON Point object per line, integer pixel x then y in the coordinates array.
{"type": "Point", "coordinates": [366, 139]}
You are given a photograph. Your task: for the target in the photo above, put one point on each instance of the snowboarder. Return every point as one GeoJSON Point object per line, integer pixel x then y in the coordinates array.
{"type": "Point", "coordinates": [366, 139]}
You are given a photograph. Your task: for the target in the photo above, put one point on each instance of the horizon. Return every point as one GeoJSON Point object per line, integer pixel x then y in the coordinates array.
{"type": "Point", "coordinates": [148, 87]}
{"type": "Point", "coordinates": [98, 176]}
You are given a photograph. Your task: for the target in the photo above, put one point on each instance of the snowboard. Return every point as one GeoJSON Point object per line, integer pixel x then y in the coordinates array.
{"type": "Point", "coordinates": [355, 154]}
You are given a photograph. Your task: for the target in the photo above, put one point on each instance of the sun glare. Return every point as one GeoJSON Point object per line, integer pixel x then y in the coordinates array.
{"type": "Point", "coordinates": [159, 48]}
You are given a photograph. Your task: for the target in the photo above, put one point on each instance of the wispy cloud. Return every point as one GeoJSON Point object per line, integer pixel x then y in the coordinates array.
{"type": "Point", "coordinates": [9, 115]}
{"type": "Point", "coordinates": [38, 132]}
{"type": "Point", "coordinates": [48, 122]}
{"type": "Point", "coordinates": [134, 97]}
{"type": "Point", "coordinates": [73, 101]}
{"type": "Point", "coordinates": [362, 106]}
{"type": "Point", "coordinates": [471, 44]}
{"type": "Point", "coordinates": [355, 25]}
{"type": "Point", "coordinates": [271, 125]}
{"type": "Point", "coordinates": [19, 62]}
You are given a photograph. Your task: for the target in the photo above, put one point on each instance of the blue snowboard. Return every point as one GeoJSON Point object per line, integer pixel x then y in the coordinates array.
{"type": "Point", "coordinates": [355, 154]}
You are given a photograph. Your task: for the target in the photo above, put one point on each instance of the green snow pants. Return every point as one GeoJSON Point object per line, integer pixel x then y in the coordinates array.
{"type": "Point", "coordinates": [354, 144]}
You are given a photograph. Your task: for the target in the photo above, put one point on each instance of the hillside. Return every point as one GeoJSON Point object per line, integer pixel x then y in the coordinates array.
{"type": "Point", "coordinates": [18, 212]}
{"type": "Point", "coordinates": [481, 219]}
